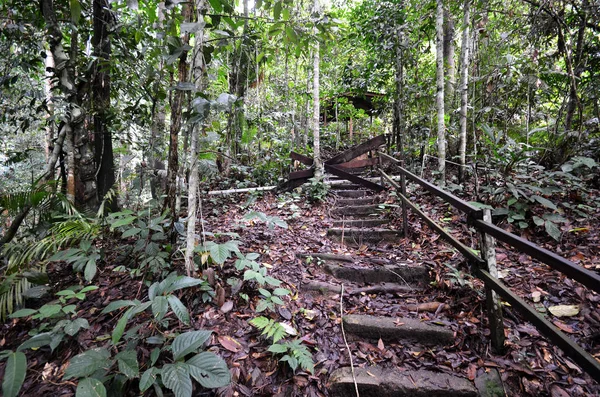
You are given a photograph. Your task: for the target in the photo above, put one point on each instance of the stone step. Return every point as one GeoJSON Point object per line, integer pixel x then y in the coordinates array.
{"type": "Point", "coordinates": [398, 274]}
{"type": "Point", "coordinates": [360, 222]}
{"type": "Point", "coordinates": [356, 201]}
{"type": "Point", "coordinates": [392, 382]}
{"type": "Point", "coordinates": [326, 256]}
{"type": "Point", "coordinates": [361, 236]}
{"type": "Point", "coordinates": [351, 193]}
{"type": "Point", "coordinates": [351, 210]}
{"type": "Point", "coordinates": [395, 329]}
{"type": "Point", "coordinates": [345, 186]}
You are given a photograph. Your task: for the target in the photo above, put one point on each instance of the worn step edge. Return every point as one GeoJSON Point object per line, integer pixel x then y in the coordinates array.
{"type": "Point", "coordinates": [379, 382]}
{"type": "Point", "coordinates": [356, 201]}
{"type": "Point", "coordinates": [360, 223]}
{"type": "Point", "coordinates": [383, 288]}
{"type": "Point", "coordinates": [393, 329]}
{"type": "Point", "coordinates": [382, 274]}
{"type": "Point", "coordinates": [326, 256]}
{"type": "Point", "coordinates": [356, 235]}
{"type": "Point", "coordinates": [351, 193]}
{"type": "Point", "coordinates": [358, 210]}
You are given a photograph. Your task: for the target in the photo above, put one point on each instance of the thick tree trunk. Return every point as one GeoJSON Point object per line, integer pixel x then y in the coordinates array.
{"type": "Point", "coordinates": [176, 110]}
{"type": "Point", "coordinates": [441, 129]}
{"type": "Point", "coordinates": [49, 136]}
{"type": "Point", "coordinates": [316, 102]}
{"type": "Point", "coordinates": [103, 150]}
{"type": "Point", "coordinates": [464, 90]}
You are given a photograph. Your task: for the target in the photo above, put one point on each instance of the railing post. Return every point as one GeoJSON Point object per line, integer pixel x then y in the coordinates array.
{"type": "Point", "coordinates": [381, 168]}
{"type": "Point", "coordinates": [403, 191]}
{"type": "Point", "coordinates": [494, 307]}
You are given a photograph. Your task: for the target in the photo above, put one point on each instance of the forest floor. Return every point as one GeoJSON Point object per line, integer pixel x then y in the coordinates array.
{"type": "Point", "coordinates": [530, 366]}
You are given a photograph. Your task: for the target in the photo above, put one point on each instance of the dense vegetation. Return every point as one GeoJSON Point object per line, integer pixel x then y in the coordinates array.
{"type": "Point", "coordinates": [117, 118]}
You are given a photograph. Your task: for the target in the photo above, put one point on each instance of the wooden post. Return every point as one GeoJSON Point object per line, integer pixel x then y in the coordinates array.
{"type": "Point", "coordinates": [404, 208]}
{"type": "Point", "coordinates": [380, 168]}
{"type": "Point", "coordinates": [488, 253]}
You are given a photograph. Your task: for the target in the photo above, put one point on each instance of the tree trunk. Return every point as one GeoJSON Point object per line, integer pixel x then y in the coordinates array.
{"type": "Point", "coordinates": [316, 102]}
{"type": "Point", "coordinates": [103, 150]}
{"type": "Point", "coordinates": [464, 90]}
{"type": "Point", "coordinates": [574, 69]}
{"type": "Point", "coordinates": [398, 114]}
{"type": "Point", "coordinates": [441, 133]}
{"type": "Point", "coordinates": [49, 63]}
{"type": "Point", "coordinates": [198, 77]}
{"type": "Point", "coordinates": [176, 109]}
{"type": "Point", "coordinates": [449, 58]}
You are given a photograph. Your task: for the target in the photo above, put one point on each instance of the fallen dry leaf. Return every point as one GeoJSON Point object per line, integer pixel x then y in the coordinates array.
{"type": "Point", "coordinates": [564, 310]}
{"type": "Point", "coordinates": [230, 344]}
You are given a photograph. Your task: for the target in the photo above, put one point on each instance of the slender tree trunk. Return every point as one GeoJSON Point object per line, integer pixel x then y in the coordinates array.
{"type": "Point", "coordinates": [449, 58]}
{"type": "Point", "coordinates": [464, 90]}
{"type": "Point", "coordinates": [574, 68]}
{"type": "Point", "coordinates": [198, 77]}
{"type": "Point", "coordinates": [103, 150]}
{"type": "Point", "coordinates": [441, 129]}
{"type": "Point", "coordinates": [176, 110]}
{"type": "Point", "coordinates": [316, 101]}
{"type": "Point", "coordinates": [49, 63]}
{"type": "Point", "coordinates": [398, 114]}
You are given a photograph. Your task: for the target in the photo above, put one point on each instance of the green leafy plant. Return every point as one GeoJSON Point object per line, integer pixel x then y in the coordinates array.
{"type": "Point", "coordinates": [83, 259]}
{"type": "Point", "coordinates": [210, 371]}
{"type": "Point", "coordinates": [295, 354]}
{"type": "Point", "coordinates": [160, 299]}
{"type": "Point", "coordinates": [52, 313]}
{"type": "Point", "coordinates": [271, 221]}
{"type": "Point", "coordinates": [269, 327]}
{"type": "Point", "coordinates": [315, 190]}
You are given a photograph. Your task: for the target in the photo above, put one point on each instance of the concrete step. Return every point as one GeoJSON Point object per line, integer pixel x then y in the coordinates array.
{"type": "Point", "coordinates": [326, 256]}
{"type": "Point", "coordinates": [345, 186]}
{"type": "Point", "coordinates": [361, 236]}
{"type": "Point", "coordinates": [356, 201]}
{"type": "Point", "coordinates": [398, 274]}
{"type": "Point", "coordinates": [392, 382]}
{"type": "Point", "coordinates": [360, 223]}
{"type": "Point", "coordinates": [353, 210]}
{"type": "Point", "coordinates": [397, 329]}
{"type": "Point", "coordinates": [351, 193]}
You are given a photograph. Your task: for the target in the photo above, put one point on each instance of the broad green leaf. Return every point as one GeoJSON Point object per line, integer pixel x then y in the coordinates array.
{"type": "Point", "coordinates": [264, 292]}
{"type": "Point", "coordinates": [160, 305]}
{"type": "Point", "coordinates": [131, 232]}
{"type": "Point", "coordinates": [88, 362]}
{"type": "Point", "coordinates": [273, 281]}
{"type": "Point", "coordinates": [47, 311]}
{"type": "Point", "coordinates": [189, 342]}
{"type": "Point", "coordinates": [122, 222]}
{"type": "Point", "coordinates": [544, 201]}
{"type": "Point", "coordinates": [90, 270]}
{"type": "Point", "coordinates": [217, 5]}
{"type": "Point", "coordinates": [209, 370]}
{"type": "Point", "coordinates": [277, 10]}
{"type": "Point", "coordinates": [183, 282]}
{"type": "Point", "coordinates": [219, 253]}
{"type": "Point", "coordinates": [115, 305]}
{"type": "Point", "coordinates": [148, 378]}
{"type": "Point", "coordinates": [75, 11]}
{"type": "Point", "coordinates": [293, 36]}
{"type": "Point", "coordinates": [177, 378]}
{"type": "Point", "coordinates": [90, 387]}
{"type": "Point", "coordinates": [281, 291]}
{"type": "Point", "coordinates": [277, 348]}
{"type": "Point", "coordinates": [252, 256]}
{"type": "Point", "coordinates": [22, 313]}
{"type": "Point", "coordinates": [179, 309]}
{"type": "Point", "coordinates": [37, 277]}
{"type": "Point", "coordinates": [36, 341]}
{"type": "Point", "coordinates": [120, 327]}
{"type": "Point", "coordinates": [538, 221]}
{"type": "Point", "coordinates": [128, 363]}
{"type": "Point", "coordinates": [74, 326]}
{"type": "Point", "coordinates": [552, 230]}
{"type": "Point", "coordinates": [14, 374]}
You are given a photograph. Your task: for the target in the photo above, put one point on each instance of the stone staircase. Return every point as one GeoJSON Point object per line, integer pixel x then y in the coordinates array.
{"type": "Point", "coordinates": [359, 220]}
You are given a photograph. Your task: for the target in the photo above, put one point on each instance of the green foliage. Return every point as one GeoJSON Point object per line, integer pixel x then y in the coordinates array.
{"type": "Point", "coordinates": [315, 190]}
{"type": "Point", "coordinates": [83, 259]}
{"type": "Point", "coordinates": [14, 373]}
{"type": "Point", "coordinates": [295, 354]}
{"type": "Point", "coordinates": [160, 299]}
{"type": "Point", "coordinates": [269, 327]}
{"type": "Point", "coordinates": [271, 221]}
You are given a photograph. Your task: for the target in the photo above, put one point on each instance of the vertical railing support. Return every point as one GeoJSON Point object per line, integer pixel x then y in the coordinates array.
{"type": "Point", "coordinates": [404, 208]}
{"type": "Point", "coordinates": [494, 306]}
